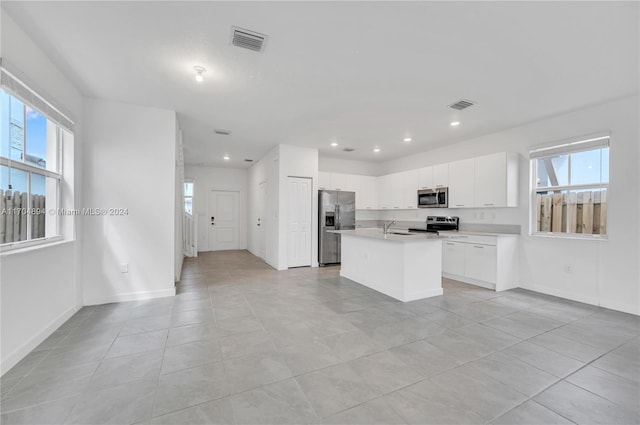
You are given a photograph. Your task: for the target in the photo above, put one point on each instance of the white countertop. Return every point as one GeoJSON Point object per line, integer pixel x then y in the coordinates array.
{"type": "Point", "coordinates": [465, 232]}
{"type": "Point", "coordinates": [376, 233]}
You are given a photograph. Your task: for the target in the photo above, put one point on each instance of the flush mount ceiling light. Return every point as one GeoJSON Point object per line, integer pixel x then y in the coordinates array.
{"type": "Point", "coordinates": [454, 123]}
{"type": "Point", "coordinates": [199, 71]}
{"type": "Point", "coordinates": [334, 144]}
{"type": "Point", "coordinates": [407, 139]}
{"type": "Point", "coordinates": [226, 157]}
{"type": "Point", "coordinates": [376, 150]}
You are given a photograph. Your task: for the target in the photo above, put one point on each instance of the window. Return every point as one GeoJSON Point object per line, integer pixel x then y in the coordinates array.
{"type": "Point", "coordinates": [188, 197]}
{"type": "Point", "coordinates": [30, 172]}
{"type": "Point", "coordinates": [570, 183]}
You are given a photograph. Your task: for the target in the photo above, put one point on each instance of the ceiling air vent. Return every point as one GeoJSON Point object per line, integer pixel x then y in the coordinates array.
{"type": "Point", "coordinates": [461, 104]}
{"type": "Point", "coordinates": [248, 160]}
{"type": "Point", "coordinates": [222, 132]}
{"type": "Point", "coordinates": [348, 149]}
{"type": "Point", "coordinates": [248, 39]}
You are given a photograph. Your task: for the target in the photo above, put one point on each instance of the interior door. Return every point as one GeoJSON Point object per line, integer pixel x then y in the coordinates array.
{"type": "Point", "coordinates": [224, 220]}
{"type": "Point", "coordinates": [261, 222]}
{"type": "Point", "coordinates": [299, 222]}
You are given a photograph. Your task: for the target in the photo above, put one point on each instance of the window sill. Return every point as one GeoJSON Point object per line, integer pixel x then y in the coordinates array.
{"type": "Point", "coordinates": [24, 247]}
{"type": "Point", "coordinates": [603, 238]}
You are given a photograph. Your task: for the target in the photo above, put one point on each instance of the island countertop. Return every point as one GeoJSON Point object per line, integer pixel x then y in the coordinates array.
{"type": "Point", "coordinates": [392, 236]}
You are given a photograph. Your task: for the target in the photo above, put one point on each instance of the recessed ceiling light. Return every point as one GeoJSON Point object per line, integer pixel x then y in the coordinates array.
{"type": "Point", "coordinates": [407, 139]}
{"type": "Point", "coordinates": [334, 144]}
{"type": "Point", "coordinates": [199, 71]}
{"type": "Point", "coordinates": [376, 150]}
{"type": "Point", "coordinates": [226, 157]}
{"type": "Point", "coordinates": [454, 123]}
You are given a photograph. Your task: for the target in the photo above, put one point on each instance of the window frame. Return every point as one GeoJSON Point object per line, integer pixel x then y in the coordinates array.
{"type": "Point", "coordinates": [31, 169]}
{"type": "Point", "coordinates": [568, 147]}
{"type": "Point", "coordinates": [184, 196]}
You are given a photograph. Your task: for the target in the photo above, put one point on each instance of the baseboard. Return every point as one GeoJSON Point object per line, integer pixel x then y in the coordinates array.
{"type": "Point", "coordinates": [469, 281]}
{"type": "Point", "coordinates": [423, 294]}
{"type": "Point", "coordinates": [18, 354]}
{"type": "Point", "coordinates": [132, 296]}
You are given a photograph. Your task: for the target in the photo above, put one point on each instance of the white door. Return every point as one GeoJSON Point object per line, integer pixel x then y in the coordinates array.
{"type": "Point", "coordinates": [223, 220]}
{"type": "Point", "coordinates": [299, 222]}
{"type": "Point", "coordinates": [261, 222]}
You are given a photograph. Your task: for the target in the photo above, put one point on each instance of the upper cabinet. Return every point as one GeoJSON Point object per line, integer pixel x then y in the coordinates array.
{"type": "Point", "coordinates": [482, 182]}
{"type": "Point", "coordinates": [461, 185]}
{"type": "Point", "coordinates": [496, 180]}
{"type": "Point", "coordinates": [441, 175]}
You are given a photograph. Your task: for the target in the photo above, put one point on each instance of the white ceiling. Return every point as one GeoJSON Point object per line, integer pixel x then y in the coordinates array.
{"type": "Point", "coordinates": [362, 73]}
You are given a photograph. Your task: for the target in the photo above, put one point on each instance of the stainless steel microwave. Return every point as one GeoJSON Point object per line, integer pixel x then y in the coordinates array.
{"type": "Point", "coordinates": [433, 198]}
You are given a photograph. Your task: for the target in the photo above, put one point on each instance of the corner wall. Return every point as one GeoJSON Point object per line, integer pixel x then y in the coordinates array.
{"type": "Point", "coordinates": [129, 162]}
{"type": "Point", "coordinates": [40, 287]}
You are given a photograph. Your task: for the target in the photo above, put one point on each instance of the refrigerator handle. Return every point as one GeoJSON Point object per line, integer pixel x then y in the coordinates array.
{"type": "Point", "coordinates": [338, 216]}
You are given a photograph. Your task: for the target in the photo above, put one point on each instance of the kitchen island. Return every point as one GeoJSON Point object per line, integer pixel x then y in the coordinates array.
{"type": "Point", "coordinates": [402, 265]}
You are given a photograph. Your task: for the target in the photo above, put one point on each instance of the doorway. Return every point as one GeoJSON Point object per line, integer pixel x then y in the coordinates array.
{"type": "Point", "coordinates": [261, 222]}
{"type": "Point", "coordinates": [224, 220]}
{"type": "Point", "coordinates": [299, 221]}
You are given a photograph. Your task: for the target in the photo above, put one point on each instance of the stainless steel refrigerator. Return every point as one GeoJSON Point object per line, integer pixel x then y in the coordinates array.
{"type": "Point", "coordinates": [337, 211]}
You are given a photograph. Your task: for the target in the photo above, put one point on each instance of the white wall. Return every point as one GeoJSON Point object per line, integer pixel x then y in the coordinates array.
{"type": "Point", "coordinates": [178, 249]}
{"type": "Point", "coordinates": [605, 273]}
{"type": "Point", "coordinates": [129, 163]}
{"type": "Point", "coordinates": [348, 166]}
{"type": "Point", "coordinates": [207, 179]}
{"type": "Point", "coordinates": [40, 287]}
{"type": "Point", "coordinates": [265, 170]}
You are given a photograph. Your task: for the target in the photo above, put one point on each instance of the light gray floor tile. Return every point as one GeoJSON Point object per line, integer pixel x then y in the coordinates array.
{"type": "Point", "coordinates": [190, 387]}
{"type": "Point", "coordinates": [123, 404]}
{"type": "Point", "coordinates": [603, 339]}
{"type": "Point", "coordinates": [245, 373]}
{"type": "Point", "coordinates": [24, 366]}
{"type": "Point", "coordinates": [217, 412]}
{"type": "Point", "coordinates": [488, 336]}
{"type": "Point", "coordinates": [245, 344]}
{"type": "Point", "coordinates": [279, 403]}
{"type": "Point", "coordinates": [351, 345]}
{"type": "Point", "coordinates": [191, 333]}
{"type": "Point", "coordinates": [568, 347]}
{"type": "Point", "coordinates": [374, 412]}
{"type": "Point", "coordinates": [123, 369]}
{"type": "Point", "coordinates": [425, 403]}
{"type": "Point", "coordinates": [620, 390]}
{"type": "Point", "coordinates": [146, 324]}
{"type": "Point", "coordinates": [385, 372]}
{"type": "Point", "coordinates": [517, 374]}
{"type": "Point", "coordinates": [35, 390]}
{"type": "Point", "coordinates": [334, 389]}
{"type": "Point", "coordinates": [523, 324]}
{"type": "Point", "coordinates": [459, 347]}
{"type": "Point", "coordinates": [50, 413]}
{"type": "Point", "coordinates": [581, 406]}
{"type": "Point", "coordinates": [428, 358]}
{"type": "Point", "coordinates": [531, 413]}
{"type": "Point", "coordinates": [138, 343]}
{"type": "Point", "coordinates": [623, 361]}
{"type": "Point", "coordinates": [237, 325]}
{"type": "Point", "coordinates": [191, 317]}
{"type": "Point", "coordinates": [291, 334]}
{"type": "Point", "coordinates": [484, 395]}
{"type": "Point", "coordinates": [309, 356]}
{"type": "Point", "coordinates": [544, 358]}
{"type": "Point", "coordinates": [190, 354]}
{"type": "Point", "coordinates": [448, 319]}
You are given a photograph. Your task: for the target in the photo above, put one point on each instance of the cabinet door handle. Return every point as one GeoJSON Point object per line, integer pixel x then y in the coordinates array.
{"type": "Point", "coordinates": [396, 207]}
{"type": "Point", "coordinates": [478, 246]}
{"type": "Point", "coordinates": [459, 205]}
{"type": "Point", "coordinates": [488, 204]}
{"type": "Point", "coordinates": [448, 243]}
{"type": "Point", "coordinates": [439, 185]}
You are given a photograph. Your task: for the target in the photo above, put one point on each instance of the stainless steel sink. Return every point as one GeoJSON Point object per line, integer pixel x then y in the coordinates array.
{"type": "Point", "coordinates": [401, 233]}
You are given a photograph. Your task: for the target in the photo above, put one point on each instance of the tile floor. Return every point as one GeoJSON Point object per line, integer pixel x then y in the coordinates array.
{"type": "Point", "coordinates": [244, 344]}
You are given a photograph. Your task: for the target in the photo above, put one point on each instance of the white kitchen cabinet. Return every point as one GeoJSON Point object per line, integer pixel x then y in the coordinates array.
{"type": "Point", "coordinates": [352, 183]}
{"type": "Point", "coordinates": [480, 262]}
{"type": "Point", "coordinates": [397, 191]}
{"type": "Point", "coordinates": [453, 258]}
{"type": "Point", "coordinates": [496, 180]}
{"type": "Point", "coordinates": [324, 180]}
{"type": "Point", "coordinates": [461, 183]}
{"type": "Point", "coordinates": [384, 191]}
{"type": "Point", "coordinates": [487, 261]}
{"type": "Point", "coordinates": [440, 175]}
{"type": "Point", "coordinates": [338, 181]}
{"type": "Point", "coordinates": [425, 178]}
{"type": "Point", "coordinates": [367, 194]}
{"type": "Point", "coordinates": [410, 186]}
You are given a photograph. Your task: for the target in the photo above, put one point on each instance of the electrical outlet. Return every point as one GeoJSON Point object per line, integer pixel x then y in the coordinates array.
{"type": "Point", "coordinates": [568, 268]}
{"type": "Point", "coordinates": [124, 267]}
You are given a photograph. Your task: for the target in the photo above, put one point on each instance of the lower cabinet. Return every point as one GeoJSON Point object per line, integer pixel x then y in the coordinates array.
{"type": "Point", "coordinates": [488, 261]}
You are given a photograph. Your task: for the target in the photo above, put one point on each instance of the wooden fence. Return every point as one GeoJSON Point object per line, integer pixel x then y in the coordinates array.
{"type": "Point", "coordinates": [573, 212]}
{"type": "Point", "coordinates": [14, 213]}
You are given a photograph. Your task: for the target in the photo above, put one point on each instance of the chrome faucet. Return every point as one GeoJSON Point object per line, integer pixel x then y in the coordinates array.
{"type": "Point", "coordinates": [386, 225]}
